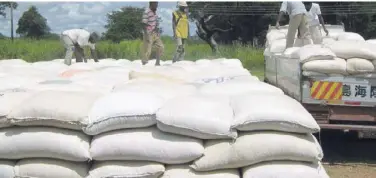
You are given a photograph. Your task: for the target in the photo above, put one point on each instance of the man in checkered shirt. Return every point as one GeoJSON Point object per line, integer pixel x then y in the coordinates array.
{"type": "Point", "coordinates": [151, 34]}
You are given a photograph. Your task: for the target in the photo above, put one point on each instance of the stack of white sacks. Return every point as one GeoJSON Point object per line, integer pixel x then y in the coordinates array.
{"type": "Point", "coordinates": [341, 54]}
{"type": "Point", "coordinates": [116, 118]}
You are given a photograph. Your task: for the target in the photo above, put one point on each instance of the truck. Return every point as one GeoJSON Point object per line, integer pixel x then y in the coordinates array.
{"type": "Point", "coordinates": [336, 102]}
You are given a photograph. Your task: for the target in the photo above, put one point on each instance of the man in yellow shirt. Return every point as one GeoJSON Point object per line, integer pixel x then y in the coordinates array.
{"type": "Point", "coordinates": [180, 27]}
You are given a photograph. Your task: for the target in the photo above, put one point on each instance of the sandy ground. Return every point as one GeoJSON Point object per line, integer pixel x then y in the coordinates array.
{"type": "Point", "coordinates": [346, 156]}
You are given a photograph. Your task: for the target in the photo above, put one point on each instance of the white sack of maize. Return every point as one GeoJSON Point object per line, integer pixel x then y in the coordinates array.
{"type": "Point", "coordinates": [194, 116]}
{"type": "Point", "coordinates": [336, 66]}
{"type": "Point", "coordinates": [235, 88]}
{"type": "Point", "coordinates": [184, 171]}
{"type": "Point", "coordinates": [349, 36]}
{"type": "Point", "coordinates": [147, 144]}
{"type": "Point", "coordinates": [359, 66]}
{"type": "Point", "coordinates": [278, 46]}
{"type": "Point", "coordinates": [255, 147]}
{"type": "Point", "coordinates": [48, 168]}
{"type": "Point", "coordinates": [126, 169]}
{"type": "Point", "coordinates": [253, 113]}
{"type": "Point", "coordinates": [55, 108]}
{"type": "Point", "coordinates": [166, 90]}
{"type": "Point", "coordinates": [11, 99]}
{"type": "Point", "coordinates": [57, 85]}
{"type": "Point", "coordinates": [314, 52]}
{"type": "Point", "coordinates": [6, 169]}
{"type": "Point", "coordinates": [122, 110]}
{"type": "Point", "coordinates": [291, 53]}
{"type": "Point", "coordinates": [353, 49]}
{"type": "Point", "coordinates": [44, 142]}
{"type": "Point", "coordinates": [372, 41]}
{"type": "Point", "coordinates": [285, 169]}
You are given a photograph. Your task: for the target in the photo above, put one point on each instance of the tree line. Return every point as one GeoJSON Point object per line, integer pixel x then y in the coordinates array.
{"type": "Point", "coordinates": [249, 20]}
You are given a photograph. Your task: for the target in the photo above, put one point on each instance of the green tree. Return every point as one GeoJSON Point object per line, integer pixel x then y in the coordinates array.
{"type": "Point", "coordinates": [5, 5]}
{"type": "Point", "coordinates": [124, 24]}
{"type": "Point", "coordinates": [32, 24]}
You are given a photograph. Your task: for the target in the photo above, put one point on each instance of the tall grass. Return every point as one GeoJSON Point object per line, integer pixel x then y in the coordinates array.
{"type": "Point", "coordinates": [42, 50]}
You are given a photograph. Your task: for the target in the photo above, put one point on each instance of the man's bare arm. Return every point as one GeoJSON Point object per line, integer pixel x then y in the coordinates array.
{"type": "Point", "coordinates": [321, 19]}
{"type": "Point", "coordinates": [173, 24]}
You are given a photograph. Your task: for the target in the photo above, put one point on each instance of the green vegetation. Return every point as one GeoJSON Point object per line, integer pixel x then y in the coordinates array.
{"type": "Point", "coordinates": [41, 50]}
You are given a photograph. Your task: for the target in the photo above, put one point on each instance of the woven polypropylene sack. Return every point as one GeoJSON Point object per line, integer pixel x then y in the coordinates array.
{"type": "Point", "coordinates": [184, 171]}
{"type": "Point", "coordinates": [126, 169]}
{"type": "Point", "coordinates": [55, 108]}
{"type": "Point", "coordinates": [349, 36]}
{"type": "Point", "coordinates": [44, 142]}
{"type": "Point", "coordinates": [253, 112]}
{"type": "Point", "coordinates": [336, 66]}
{"type": "Point", "coordinates": [285, 169]}
{"type": "Point", "coordinates": [8, 101]}
{"type": "Point", "coordinates": [194, 116]}
{"type": "Point", "coordinates": [353, 49]}
{"type": "Point", "coordinates": [122, 110]}
{"type": "Point", "coordinates": [255, 147]}
{"type": "Point", "coordinates": [48, 168]}
{"type": "Point", "coordinates": [359, 66]}
{"type": "Point", "coordinates": [148, 144]}
{"type": "Point", "coordinates": [314, 52]}
{"type": "Point", "coordinates": [236, 88]}
{"type": "Point", "coordinates": [6, 169]}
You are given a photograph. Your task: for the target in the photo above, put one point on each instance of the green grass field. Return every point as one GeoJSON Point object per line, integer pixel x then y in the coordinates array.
{"type": "Point", "coordinates": [42, 50]}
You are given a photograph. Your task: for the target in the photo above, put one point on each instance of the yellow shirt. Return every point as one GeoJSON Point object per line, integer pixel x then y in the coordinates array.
{"type": "Point", "coordinates": [181, 29]}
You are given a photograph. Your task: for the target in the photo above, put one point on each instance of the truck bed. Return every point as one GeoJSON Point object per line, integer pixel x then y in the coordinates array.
{"type": "Point", "coordinates": [340, 102]}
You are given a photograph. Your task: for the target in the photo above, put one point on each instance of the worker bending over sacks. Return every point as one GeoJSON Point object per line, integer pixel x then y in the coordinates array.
{"type": "Point", "coordinates": [74, 40]}
{"type": "Point", "coordinates": [180, 27]}
{"type": "Point", "coordinates": [314, 21]}
{"type": "Point", "coordinates": [298, 21]}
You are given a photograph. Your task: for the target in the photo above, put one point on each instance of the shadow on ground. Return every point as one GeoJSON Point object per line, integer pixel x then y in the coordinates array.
{"type": "Point", "coordinates": [341, 147]}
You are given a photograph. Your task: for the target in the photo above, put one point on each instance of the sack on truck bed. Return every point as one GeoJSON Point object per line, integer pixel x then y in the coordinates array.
{"type": "Point", "coordinates": [336, 66]}
{"type": "Point", "coordinates": [313, 52]}
{"type": "Point", "coordinates": [353, 49]}
{"type": "Point", "coordinates": [184, 171]}
{"type": "Point", "coordinates": [147, 144]}
{"type": "Point", "coordinates": [123, 110]}
{"type": "Point", "coordinates": [6, 169]}
{"type": "Point", "coordinates": [255, 147]}
{"type": "Point", "coordinates": [285, 169]}
{"type": "Point", "coordinates": [43, 142]}
{"type": "Point", "coordinates": [349, 36]}
{"type": "Point", "coordinates": [359, 66]}
{"type": "Point", "coordinates": [194, 116]}
{"type": "Point", "coordinates": [126, 169]}
{"type": "Point", "coordinates": [278, 46]}
{"type": "Point", "coordinates": [8, 101]}
{"type": "Point", "coordinates": [48, 168]}
{"type": "Point", "coordinates": [271, 112]}
{"type": "Point", "coordinates": [55, 108]}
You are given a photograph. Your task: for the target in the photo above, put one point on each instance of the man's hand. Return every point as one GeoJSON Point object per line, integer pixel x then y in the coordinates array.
{"type": "Point", "coordinates": [326, 31]}
{"type": "Point", "coordinates": [277, 25]}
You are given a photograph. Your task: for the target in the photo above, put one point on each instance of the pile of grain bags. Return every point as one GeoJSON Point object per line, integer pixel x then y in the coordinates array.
{"type": "Point", "coordinates": [46, 138]}
{"type": "Point", "coordinates": [360, 55]}
{"type": "Point", "coordinates": [318, 60]}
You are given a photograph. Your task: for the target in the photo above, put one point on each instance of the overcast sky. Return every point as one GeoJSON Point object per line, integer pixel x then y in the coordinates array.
{"type": "Point", "coordinates": [88, 15]}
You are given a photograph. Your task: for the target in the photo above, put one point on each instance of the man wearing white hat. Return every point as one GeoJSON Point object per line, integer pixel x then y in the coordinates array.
{"type": "Point", "coordinates": [180, 27]}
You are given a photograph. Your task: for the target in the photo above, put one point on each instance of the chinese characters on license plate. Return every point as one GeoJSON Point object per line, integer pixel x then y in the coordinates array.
{"type": "Point", "coordinates": [358, 92]}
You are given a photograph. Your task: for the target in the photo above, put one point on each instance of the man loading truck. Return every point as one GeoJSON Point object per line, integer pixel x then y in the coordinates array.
{"type": "Point", "coordinates": [314, 20]}
{"type": "Point", "coordinates": [298, 21]}
{"type": "Point", "coordinates": [74, 40]}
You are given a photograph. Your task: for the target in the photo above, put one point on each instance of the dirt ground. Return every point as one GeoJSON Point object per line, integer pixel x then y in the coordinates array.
{"type": "Point", "coordinates": [346, 156]}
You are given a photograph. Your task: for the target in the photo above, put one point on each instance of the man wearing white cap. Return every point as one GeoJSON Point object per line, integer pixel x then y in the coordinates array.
{"type": "Point", "coordinates": [180, 27]}
{"type": "Point", "coordinates": [314, 21]}
{"type": "Point", "coordinates": [298, 20]}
